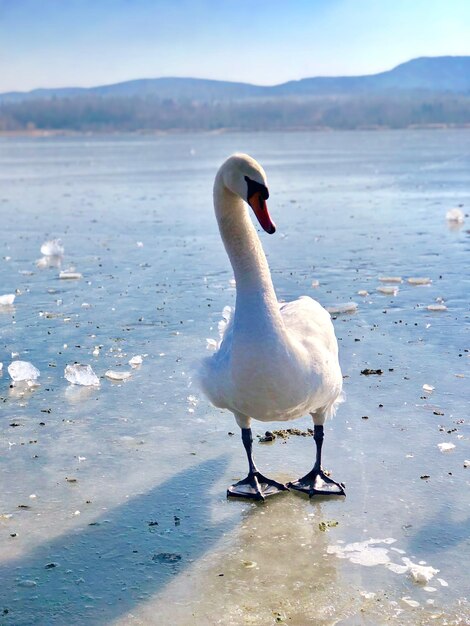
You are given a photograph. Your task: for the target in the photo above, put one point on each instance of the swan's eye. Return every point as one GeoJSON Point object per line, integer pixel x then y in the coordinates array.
{"type": "Point", "coordinates": [254, 187]}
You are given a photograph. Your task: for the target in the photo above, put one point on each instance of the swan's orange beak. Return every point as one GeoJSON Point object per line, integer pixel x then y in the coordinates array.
{"type": "Point", "coordinates": [260, 208]}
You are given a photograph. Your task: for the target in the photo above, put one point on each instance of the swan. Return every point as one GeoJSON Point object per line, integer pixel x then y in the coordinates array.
{"type": "Point", "coordinates": [276, 361]}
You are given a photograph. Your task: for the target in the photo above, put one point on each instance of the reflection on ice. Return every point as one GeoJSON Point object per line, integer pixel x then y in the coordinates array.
{"type": "Point", "coordinates": [49, 261]}
{"type": "Point", "coordinates": [76, 394]}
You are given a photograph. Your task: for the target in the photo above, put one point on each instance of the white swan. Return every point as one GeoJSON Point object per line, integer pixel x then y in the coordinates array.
{"type": "Point", "coordinates": [276, 361]}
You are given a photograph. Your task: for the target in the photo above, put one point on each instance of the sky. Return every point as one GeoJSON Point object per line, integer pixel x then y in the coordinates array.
{"type": "Point", "coordinates": [63, 43]}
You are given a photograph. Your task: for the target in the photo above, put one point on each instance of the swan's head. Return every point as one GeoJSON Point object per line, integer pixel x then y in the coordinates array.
{"type": "Point", "coordinates": [245, 177]}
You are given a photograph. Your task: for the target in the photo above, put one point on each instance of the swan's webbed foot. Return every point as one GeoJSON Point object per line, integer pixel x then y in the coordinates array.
{"type": "Point", "coordinates": [255, 486]}
{"type": "Point", "coordinates": [317, 483]}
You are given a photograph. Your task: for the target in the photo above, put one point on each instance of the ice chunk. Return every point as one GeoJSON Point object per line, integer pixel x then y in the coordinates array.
{"type": "Point", "coordinates": [346, 307]}
{"type": "Point", "coordinates": [7, 299]}
{"type": "Point", "coordinates": [390, 279]}
{"type": "Point", "coordinates": [315, 283]}
{"type": "Point", "coordinates": [419, 281]}
{"type": "Point", "coordinates": [363, 552]}
{"type": "Point", "coordinates": [363, 293]}
{"type": "Point", "coordinates": [136, 360]}
{"type": "Point", "coordinates": [455, 215]}
{"type": "Point", "coordinates": [25, 582]}
{"type": "Point", "coordinates": [466, 463]}
{"type": "Point", "coordinates": [211, 344]}
{"type": "Point", "coordinates": [53, 247]}
{"type": "Point", "coordinates": [23, 370]}
{"type": "Point", "coordinates": [436, 307]}
{"type": "Point", "coordinates": [1, 366]}
{"type": "Point", "coordinates": [224, 322]}
{"type": "Point", "coordinates": [428, 387]}
{"type": "Point", "coordinates": [388, 291]}
{"type": "Point", "coordinates": [446, 447]}
{"type": "Point", "coordinates": [78, 374]}
{"type": "Point", "coordinates": [68, 275]}
{"type": "Point", "coordinates": [407, 600]}
{"type": "Point", "coordinates": [420, 574]}
{"type": "Point", "coordinates": [113, 375]}
{"type": "Point", "coordinates": [140, 244]}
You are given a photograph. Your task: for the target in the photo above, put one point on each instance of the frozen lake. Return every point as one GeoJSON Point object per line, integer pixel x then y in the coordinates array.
{"type": "Point", "coordinates": [112, 498]}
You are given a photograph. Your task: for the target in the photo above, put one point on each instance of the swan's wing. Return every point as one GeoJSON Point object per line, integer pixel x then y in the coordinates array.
{"type": "Point", "coordinates": [212, 372]}
{"type": "Point", "coordinates": [310, 323]}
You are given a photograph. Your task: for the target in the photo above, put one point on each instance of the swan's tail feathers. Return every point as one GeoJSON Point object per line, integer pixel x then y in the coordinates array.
{"type": "Point", "coordinates": [321, 415]}
{"type": "Point", "coordinates": [333, 407]}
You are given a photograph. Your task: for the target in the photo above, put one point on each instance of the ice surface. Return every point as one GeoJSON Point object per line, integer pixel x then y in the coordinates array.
{"type": "Point", "coordinates": [123, 485]}
{"type": "Point", "coordinates": [7, 299]}
{"type": "Point", "coordinates": [455, 215]}
{"type": "Point", "coordinates": [53, 247]}
{"type": "Point", "coordinates": [346, 307]}
{"type": "Point", "coordinates": [23, 370]}
{"type": "Point", "coordinates": [115, 375]}
{"type": "Point", "coordinates": [78, 374]}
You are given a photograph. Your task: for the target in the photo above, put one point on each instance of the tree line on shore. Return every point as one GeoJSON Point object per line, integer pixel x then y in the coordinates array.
{"type": "Point", "coordinates": [115, 114]}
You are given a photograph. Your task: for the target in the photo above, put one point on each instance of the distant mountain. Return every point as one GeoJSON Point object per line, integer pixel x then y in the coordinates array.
{"type": "Point", "coordinates": [435, 74]}
{"type": "Point", "coordinates": [200, 89]}
{"type": "Point", "coordinates": [439, 75]}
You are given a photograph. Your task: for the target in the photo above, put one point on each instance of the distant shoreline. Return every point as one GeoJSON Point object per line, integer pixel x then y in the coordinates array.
{"type": "Point", "coordinates": [39, 133]}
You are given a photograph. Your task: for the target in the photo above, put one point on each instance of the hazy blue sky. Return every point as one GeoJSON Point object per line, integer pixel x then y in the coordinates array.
{"type": "Point", "coordinates": [49, 43]}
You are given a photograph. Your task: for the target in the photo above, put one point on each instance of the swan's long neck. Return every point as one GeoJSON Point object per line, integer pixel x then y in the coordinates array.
{"type": "Point", "coordinates": [256, 299]}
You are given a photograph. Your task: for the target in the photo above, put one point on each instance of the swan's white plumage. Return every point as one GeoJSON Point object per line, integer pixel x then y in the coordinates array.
{"type": "Point", "coordinates": [276, 361]}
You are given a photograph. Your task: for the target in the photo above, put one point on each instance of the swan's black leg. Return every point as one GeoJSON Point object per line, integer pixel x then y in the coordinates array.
{"type": "Point", "coordinates": [255, 485]}
{"type": "Point", "coordinates": [316, 482]}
